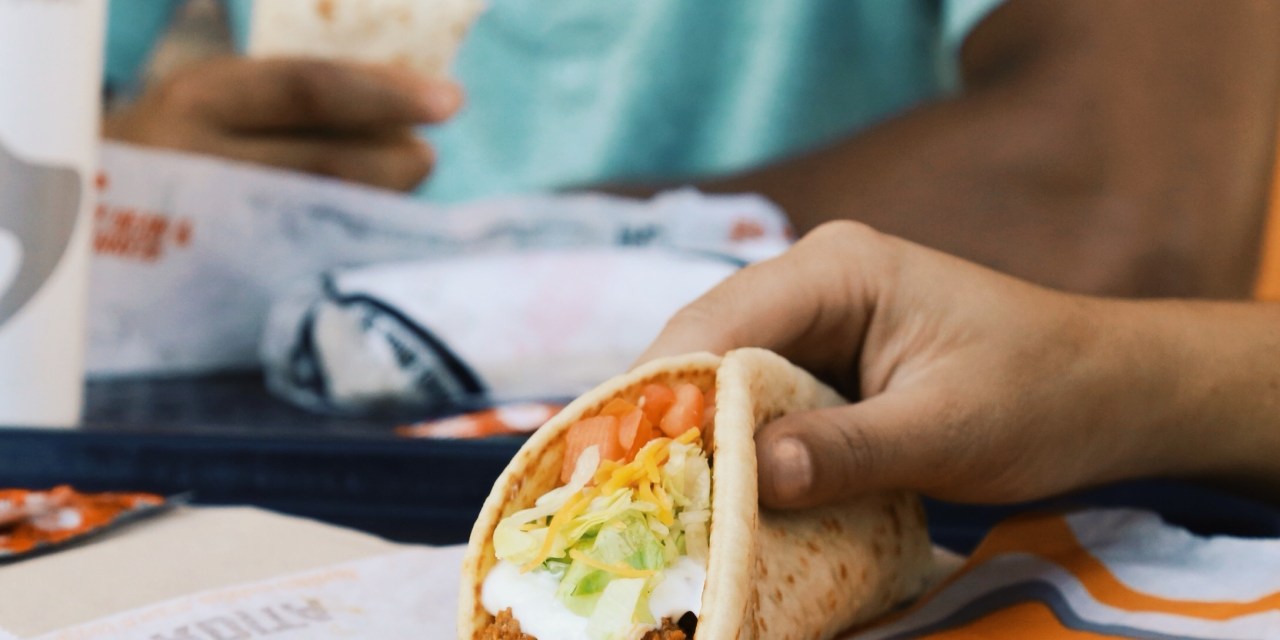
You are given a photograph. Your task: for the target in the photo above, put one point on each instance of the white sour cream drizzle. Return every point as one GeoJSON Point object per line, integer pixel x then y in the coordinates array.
{"type": "Point", "coordinates": [679, 591]}
{"type": "Point", "coordinates": [532, 599]}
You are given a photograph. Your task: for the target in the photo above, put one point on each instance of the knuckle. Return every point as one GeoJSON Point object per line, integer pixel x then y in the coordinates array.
{"type": "Point", "coordinates": [700, 318]}
{"type": "Point", "coordinates": [860, 456]}
{"type": "Point", "coordinates": [851, 249]}
{"type": "Point", "coordinates": [843, 233]}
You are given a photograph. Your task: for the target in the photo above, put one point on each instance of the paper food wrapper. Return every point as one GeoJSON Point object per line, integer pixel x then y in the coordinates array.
{"type": "Point", "coordinates": [422, 35]}
{"type": "Point", "coordinates": [218, 574]}
{"type": "Point", "coordinates": [436, 335]}
{"type": "Point", "coordinates": [190, 252]}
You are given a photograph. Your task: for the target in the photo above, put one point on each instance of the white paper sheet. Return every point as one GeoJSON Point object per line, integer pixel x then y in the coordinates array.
{"type": "Point", "coordinates": [410, 593]}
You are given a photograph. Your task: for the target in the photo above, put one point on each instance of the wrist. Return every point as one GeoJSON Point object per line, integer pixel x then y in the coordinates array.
{"type": "Point", "coordinates": [1128, 387]}
{"type": "Point", "coordinates": [1215, 370]}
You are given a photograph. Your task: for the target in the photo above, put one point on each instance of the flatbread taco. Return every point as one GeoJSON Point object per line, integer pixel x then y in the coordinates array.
{"type": "Point", "coordinates": [633, 514]}
{"type": "Point", "coordinates": [423, 35]}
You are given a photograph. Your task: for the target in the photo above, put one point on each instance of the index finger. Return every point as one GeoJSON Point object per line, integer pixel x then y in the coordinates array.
{"type": "Point", "coordinates": [810, 305]}
{"type": "Point", "coordinates": [308, 94]}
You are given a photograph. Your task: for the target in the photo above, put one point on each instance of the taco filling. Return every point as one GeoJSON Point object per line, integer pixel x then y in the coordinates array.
{"type": "Point", "coordinates": [619, 550]}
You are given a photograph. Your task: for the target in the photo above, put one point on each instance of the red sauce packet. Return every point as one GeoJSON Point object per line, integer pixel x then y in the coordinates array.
{"type": "Point", "coordinates": [34, 522]}
{"type": "Point", "coordinates": [506, 420]}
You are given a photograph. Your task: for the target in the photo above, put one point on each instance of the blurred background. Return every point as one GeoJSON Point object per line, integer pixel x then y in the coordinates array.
{"type": "Point", "coordinates": [200, 32]}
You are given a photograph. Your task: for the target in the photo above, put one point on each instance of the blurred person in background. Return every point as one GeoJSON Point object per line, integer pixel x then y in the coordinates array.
{"type": "Point", "coordinates": [1108, 147]}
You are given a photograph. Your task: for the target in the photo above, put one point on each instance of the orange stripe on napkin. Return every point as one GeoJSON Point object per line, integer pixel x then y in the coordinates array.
{"type": "Point", "coordinates": [1051, 538]}
{"type": "Point", "coordinates": [1021, 621]}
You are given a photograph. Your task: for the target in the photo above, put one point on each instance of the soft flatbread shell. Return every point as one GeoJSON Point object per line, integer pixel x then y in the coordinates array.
{"type": "Point", "coordinates": [770, 575]}
{"type": "Point", "coordinates": [423, 35]}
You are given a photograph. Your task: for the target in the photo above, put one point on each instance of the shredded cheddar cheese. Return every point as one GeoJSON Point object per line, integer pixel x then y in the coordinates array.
{"type": "Point", "coordinates": [666, 508]}
{"type": "Point", "coordinates": [620, 570]}
{"type": "Point", "coordinates": [565, 514]}
{"type": "Point", "coordinates": [605, 470]}
{"type": "Point", "coordinates": [642, 475]}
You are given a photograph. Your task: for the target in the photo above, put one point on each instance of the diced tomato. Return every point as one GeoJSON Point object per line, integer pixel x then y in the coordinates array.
{"type": "Point", "coordinates": [634, 432]}
{"type": "Point", "coordinates": [600, 431]}
{"type": "Point", "coordinates": [657, 399]}
{"type": "Point", "coordinates": [617, 408]}
{"type": "Point", "coordinates": [686, 413]}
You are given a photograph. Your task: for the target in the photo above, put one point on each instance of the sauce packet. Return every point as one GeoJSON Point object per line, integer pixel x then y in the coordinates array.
{"type": "Point", "coordinates": [506, 420]}
{"type": "Point", "coordinates": [34, 522]}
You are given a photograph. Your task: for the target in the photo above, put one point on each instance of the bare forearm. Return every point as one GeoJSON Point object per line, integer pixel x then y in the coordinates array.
{"type": "Point", "coordinates": [1078, 162]}
{"type": "Point", "coordinates": [1218, 367]}
{"type": "Point", "coordinates": [983, 179]}
{"type": "Point", "coordinates": [999, 180]}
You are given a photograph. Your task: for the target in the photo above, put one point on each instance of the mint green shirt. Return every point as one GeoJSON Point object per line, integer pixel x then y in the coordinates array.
{"type": "Point", "coordinates": [574, 92]}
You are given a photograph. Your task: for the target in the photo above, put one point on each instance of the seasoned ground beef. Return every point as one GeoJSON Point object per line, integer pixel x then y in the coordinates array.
{"type": "Point", "coordinates": [505, 627]}
{"type": "Point", "coordinates": [668, 631]}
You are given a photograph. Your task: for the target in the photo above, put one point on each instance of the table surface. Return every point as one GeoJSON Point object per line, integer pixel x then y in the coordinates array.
{"type": "Point", "coordinates": [225, 440]}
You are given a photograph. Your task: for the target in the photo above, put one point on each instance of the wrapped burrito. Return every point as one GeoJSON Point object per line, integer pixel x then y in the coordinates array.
{"type": "Point", "coordinates": [633, 514]}
{"type": "Point", "coordinates": [422, 35]}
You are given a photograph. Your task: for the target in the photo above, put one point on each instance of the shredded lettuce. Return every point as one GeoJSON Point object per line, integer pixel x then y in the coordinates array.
{"type": "Point", "coordinates": [512, 543]}
{"type": "Point", "coordinates": [610, 550]}
{"type": "Point", "coordinates": [687, 479]}
{"type": "Point", "coordinates": [614, 616]}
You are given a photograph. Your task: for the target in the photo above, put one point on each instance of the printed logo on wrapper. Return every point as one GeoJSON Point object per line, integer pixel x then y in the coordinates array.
{"type": "Point", "coordinates": [405, 594]}
{"type": "Point", "coordinates": [38, 206]}
{"type": "Point", "coordinates": [135, 233]}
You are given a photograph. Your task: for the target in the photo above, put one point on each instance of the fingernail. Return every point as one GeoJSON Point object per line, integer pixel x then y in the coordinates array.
{"type": "Point", "coordinates": [791, 469]}
{"type": "Point", "coordinates": [442, 100]}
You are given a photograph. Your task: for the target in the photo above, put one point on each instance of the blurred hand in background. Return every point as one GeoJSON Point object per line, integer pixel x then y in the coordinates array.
{"type": "Point", "coordinates": [1116, 148]}
{"type": "Point", "coordinates": [346, 120]}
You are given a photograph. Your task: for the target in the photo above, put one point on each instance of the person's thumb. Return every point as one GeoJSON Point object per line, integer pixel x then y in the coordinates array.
{"type": "Point", "coordinates": [827, 456]}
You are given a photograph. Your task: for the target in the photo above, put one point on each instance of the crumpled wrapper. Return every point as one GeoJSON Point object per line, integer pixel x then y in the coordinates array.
{"type": "Point", "coordinates": [191, 252]}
